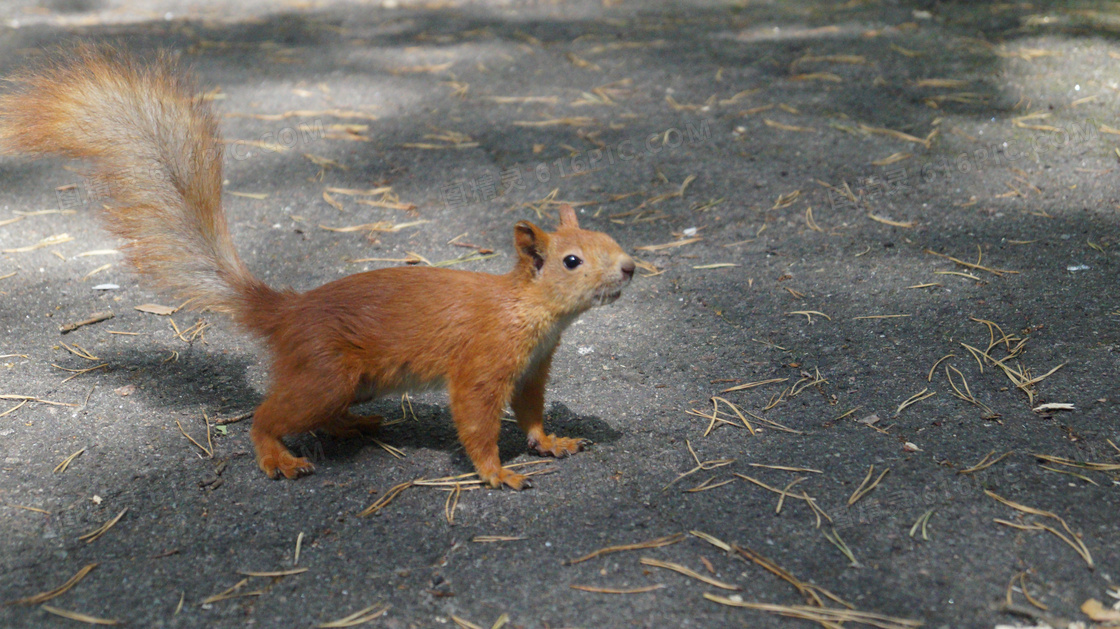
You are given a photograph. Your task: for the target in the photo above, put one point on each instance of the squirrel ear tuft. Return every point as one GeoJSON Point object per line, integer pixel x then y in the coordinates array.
{"type": "Point", "coordinates": [568, 217]}
{"type": "Point", "coordinates": [531, 243]}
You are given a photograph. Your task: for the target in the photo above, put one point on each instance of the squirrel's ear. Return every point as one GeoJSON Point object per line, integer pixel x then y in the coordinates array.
{"type": "Point", "coordinates": [531, 243]}
{"type": "Point", "coordinates": [568, 217]}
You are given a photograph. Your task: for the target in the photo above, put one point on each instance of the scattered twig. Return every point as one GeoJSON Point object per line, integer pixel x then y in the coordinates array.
{"type": "Point", "coordinates": [921, 524]}
{"type": "Point", "coordinates": [602, 590]}
{"type": "Point", "coordinates": [812, 593]}
{"type": "Point", "coordinates": [230, 420]}
{"type": "Point", "coordinates": [94, 318]}
{"type": "Point", "coordinates": [61, 467]}
{"type": "Point", "coordinates": [865, 488]}
{"type": "Point", "coordinates": [688, 572]}
{"type": "Point", "coordinates": [826, 616]}
{"type": "Point", "coordinates": [232, 592]}
{"type": "Point", "coordinates": [985, 463]}
{"type": "Point", "coordinates": [834, 539]}
{"type": "Point", "coordinates": [78, 372]}
{"type": "Point", "coordinates": [452, 503]}
{"type": "Point", "coordinates": [913, 399]}
{"type": "Point", "coordinates": [272, 573]}
{"type": "Point", "coordinates": [809, 314]}
{"type": "Point", "coordinates": [972, 265]}
{"type": "Point", "coordinates": [79, 351]}
{"type": "Point", "coordinates": [709, 484]}
{"type": "Point", "coordinates": [86, 618]}
{"type": "Point", "coordinates": [1088, 465]}
{"type": "Point", "coordinates": [1021, 577]}
{"type": "Point", "coordinates": [33, 509]}
{"type": "Point", "coordinates": [653, 543]}
{"type": "Point", "coordinates": [966, 394]}
{"type": "Point", "coordinates": [784, 493]}
{"type": "Point", "coordinates": [715, 403]}
{"type": "Point", "coordinates": [14, 408]}
{"type": "Point", "coordinates": [30, 398]}
{"type": "Point", "coordinates": [103, 529]}
{"type": "Point", "coordinates": [700, 465]}
{"type": "Point", "coordinates": [1072, 538]}
{"type": "Point", "coordinates": [357, 618]}
{"type": "Point", "coordinates": [887, 221]}
{"type": "Point", "coordinates": [787, 468]}
{"type": "Point", "coordinates": [449, 483]}
{"type": "Point", "coordinates": [43, 597]}
{"type": "Point", "coordinates": [934, 367]}
{"type": "Point", "coordinates": [669, 245]}
{"type": "Point", "coordinates": [49, 241]}
{"type": "Point", "coordinates": [208, 449]}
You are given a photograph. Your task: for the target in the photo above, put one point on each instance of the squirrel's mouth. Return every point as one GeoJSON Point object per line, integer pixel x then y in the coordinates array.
{"type": "Point", "coordinates": [610, 296]}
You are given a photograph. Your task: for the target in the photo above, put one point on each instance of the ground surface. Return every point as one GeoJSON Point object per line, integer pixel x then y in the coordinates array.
{"type": "Point", "coordinates": [721, 125]}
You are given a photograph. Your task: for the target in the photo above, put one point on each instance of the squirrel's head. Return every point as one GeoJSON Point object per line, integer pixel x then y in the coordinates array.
{"type": "Point", "coordinates": [574, 268]}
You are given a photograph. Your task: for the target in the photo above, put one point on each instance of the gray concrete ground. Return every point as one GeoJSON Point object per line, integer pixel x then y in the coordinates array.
{"type": "Point", "coordinates": [806, 168]}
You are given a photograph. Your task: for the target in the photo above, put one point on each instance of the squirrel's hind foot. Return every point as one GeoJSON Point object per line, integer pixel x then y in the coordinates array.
{"type": "Point", "coordinates": [292, 467]}
{"type": "Point", "coordinates": [278, 460]}
{"type": "Point", "coordinates": [559, 447]}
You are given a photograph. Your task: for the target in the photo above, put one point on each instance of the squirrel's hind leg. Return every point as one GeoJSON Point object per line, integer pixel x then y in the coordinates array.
{"type": "Point", "coordinates": [291, 409]}
{"type": "Point", "coordinates": [349, 425]}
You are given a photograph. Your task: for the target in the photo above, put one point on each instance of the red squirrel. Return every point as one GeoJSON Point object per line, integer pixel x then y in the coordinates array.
{"type": "Point", "coordinates": [489, 339]}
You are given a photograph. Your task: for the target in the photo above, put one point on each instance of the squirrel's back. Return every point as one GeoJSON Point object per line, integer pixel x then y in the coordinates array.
{"type": "Point", "coordinates": [155, 153]}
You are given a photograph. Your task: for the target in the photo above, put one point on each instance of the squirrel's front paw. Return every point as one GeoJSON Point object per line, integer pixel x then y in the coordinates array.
{"type": "Point", "coordinates": [506, 478]}
{"type": "Point", "coordinates": [551, 445]}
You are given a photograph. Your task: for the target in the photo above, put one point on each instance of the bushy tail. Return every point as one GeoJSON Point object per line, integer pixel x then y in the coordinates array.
{"type": "Point", "coordinates": [156, 156]}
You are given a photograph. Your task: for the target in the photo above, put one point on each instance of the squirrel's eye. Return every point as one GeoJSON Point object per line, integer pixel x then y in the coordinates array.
{"type": "Point", "coordinates": [572, 262]}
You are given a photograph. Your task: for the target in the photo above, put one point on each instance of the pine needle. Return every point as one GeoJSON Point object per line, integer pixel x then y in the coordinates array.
{"type": "Point", "coordinates": [43, 597]}
{"type": "Point", "coordinates": [653, 543]}
{"type": "Point", "coordinates": [359, 617]}
{"type": "Point", "coordinates": [688, 572]}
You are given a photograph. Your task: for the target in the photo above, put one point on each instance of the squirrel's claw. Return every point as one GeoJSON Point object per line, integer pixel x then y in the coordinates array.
{"type": "Point", "coordinates": [506, 478]}
{"type": "Point", "coordinates": [290, 466]}
{"type": "Point", "coordinates": [299, 467]}
{"type": "Point", "coordinates": [559, 447]}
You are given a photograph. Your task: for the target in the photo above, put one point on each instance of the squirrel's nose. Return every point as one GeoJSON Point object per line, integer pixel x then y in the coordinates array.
{"type": "Point", "coordinates": [628, 268]}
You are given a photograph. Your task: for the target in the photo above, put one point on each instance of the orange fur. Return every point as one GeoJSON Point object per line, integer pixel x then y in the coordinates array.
{"type": "Point", "coordinates": [488, 338]}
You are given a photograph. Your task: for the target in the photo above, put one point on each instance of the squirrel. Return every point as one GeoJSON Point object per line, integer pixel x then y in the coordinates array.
{"type": "Point", "coordinates": [489, 339]}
